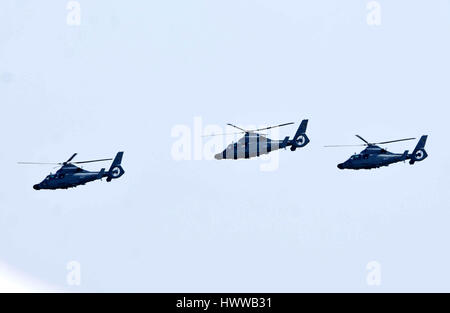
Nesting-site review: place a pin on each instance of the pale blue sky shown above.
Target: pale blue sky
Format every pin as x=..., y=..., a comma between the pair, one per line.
x=135, y=69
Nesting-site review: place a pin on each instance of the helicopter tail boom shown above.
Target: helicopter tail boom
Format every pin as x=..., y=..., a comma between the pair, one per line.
x=284, y=143
x=116, y=170
x=419, y=153
x=405, y=155
x=101, y=174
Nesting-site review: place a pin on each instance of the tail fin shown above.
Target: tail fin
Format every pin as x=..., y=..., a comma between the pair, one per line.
x=302, y=128
x=300, y=139
x=419, y=153
x=116, y=170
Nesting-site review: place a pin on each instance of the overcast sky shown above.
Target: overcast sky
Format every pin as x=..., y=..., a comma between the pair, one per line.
x=132, y=72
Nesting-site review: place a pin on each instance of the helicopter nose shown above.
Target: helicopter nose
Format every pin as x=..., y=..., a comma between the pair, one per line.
x=340, y=166
x=36, y=187
x=218, y=156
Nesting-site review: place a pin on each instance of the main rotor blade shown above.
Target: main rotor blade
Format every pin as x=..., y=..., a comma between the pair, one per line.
x=223, y=134
x=237, y=127
x=247, y=131
x=37, y=163
x=391, y=141
x=91, y=161
x=362, y=139
x=65, y=163
x=270, y=127
x=338, y=146
x=249, y=134
x=71, y=158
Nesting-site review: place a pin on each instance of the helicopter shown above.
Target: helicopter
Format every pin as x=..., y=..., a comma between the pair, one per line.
x=374, y=156
x=71, y=176
x=253, y=144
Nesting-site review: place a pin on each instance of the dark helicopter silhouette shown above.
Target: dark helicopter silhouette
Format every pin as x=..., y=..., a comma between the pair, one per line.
x=255, y=145
x=374, y=156
x=70, y=175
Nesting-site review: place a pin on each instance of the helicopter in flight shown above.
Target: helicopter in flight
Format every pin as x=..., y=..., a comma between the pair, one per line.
x=374, y=156
x=70, y=175
x=253, y=144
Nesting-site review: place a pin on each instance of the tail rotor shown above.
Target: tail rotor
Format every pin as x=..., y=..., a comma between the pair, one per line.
x=116, y=170
x=300, y=139
x=419, y=153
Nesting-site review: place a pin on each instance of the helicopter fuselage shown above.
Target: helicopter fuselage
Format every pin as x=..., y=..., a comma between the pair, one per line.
x=69, y=177
x=370, y=160
x=250, y=147
x=254, y=144
x=374, y=156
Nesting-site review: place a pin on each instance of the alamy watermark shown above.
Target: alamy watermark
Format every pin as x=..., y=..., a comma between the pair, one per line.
x=373, y=277
x=74, y=13
x=373, y=17
x=73, y=277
